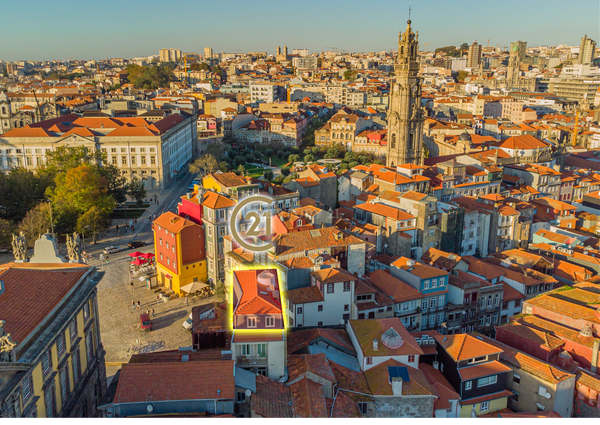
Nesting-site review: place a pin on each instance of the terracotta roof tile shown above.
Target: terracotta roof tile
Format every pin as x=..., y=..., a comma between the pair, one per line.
x=299, y=340
x=368, y=330
x=32, y=291
x=308, y=400
x=481, y=370
x=378, y=379
x=272, y=399
x=256, y=298
x=305, y=295
x=464, y=347
x=172, y=222
x=317, y=364
x=307, y=240
x=400, y=291
x=145, y=382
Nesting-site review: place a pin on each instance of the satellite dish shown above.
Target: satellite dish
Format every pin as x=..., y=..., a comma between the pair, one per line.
x=150, y=408
x=248, y=393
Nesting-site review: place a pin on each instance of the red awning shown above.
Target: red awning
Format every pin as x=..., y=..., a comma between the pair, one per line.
x=168, y=276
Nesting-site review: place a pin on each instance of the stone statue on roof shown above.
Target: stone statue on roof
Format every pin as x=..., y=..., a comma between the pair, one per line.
x=19, y=246
x=6, y=344
x=74, y=247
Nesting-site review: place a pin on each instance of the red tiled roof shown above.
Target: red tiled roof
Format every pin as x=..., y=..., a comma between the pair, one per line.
x=378, y=380
x=395, y=288
x=368, y=330
x=308, y=400
x=32, y=291
x=147, y=382
x=463, y=347
x=441, y=386
x=481, y=370
x=317, y=364
x=256, y=299
x=272, y=399
x=300, y=339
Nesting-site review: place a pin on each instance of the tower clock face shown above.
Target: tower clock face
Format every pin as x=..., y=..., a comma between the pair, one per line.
x=414, y=89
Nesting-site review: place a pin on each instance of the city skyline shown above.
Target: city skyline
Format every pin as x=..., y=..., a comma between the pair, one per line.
x=128, y=31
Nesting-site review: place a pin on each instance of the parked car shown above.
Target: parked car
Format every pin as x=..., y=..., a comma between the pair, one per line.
x=187, y=325
x=190, y=188
x=112, y=249
x=136, y=244
x=145, y=322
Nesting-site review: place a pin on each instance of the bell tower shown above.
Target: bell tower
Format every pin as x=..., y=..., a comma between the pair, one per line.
x=405, y=116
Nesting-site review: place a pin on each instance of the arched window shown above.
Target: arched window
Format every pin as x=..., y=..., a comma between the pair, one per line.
x=393, y=141
x=4, y=110
x=347, y=136
x=402, y=50
x=334, y=136
x=410, y=140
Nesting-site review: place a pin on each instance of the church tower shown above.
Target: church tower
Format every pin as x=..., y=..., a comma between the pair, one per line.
x=405, y=116
x=512, y=71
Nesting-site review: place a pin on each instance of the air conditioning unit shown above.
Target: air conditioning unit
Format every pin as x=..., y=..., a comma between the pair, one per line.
x=432, y=341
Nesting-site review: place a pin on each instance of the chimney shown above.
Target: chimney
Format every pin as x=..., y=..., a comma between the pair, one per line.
x=397, y=386
x=595, y=355
x=376, y=344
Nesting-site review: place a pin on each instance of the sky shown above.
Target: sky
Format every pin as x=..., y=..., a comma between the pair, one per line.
x=65, y=29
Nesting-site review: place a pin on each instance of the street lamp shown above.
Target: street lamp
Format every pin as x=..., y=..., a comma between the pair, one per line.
x=51, y=220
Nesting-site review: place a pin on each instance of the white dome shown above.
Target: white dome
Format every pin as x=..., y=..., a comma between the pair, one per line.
x=392, y=339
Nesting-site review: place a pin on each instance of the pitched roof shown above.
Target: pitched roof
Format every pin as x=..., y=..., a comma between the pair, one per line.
x=443, y=389
x=528, y=363
x=400, y=291
x=216, y=201
x=229, y=179
x=485, y=369
x=146, y=382
x=333, y=275
x=172, y=222
x=368, y=330
x=32, y=291
x=289, y=243
x=308, y=400
x=353, y=380
x=442, y=259
x=256, y=298
x=317, y=364
x=386, y=211
x=310, y=294
x=464, y=347
x=272, y=399
x=378, y=379
x=418, y=269
x=300, y=339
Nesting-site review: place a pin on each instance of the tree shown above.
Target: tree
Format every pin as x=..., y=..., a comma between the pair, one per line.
x=76, y=191
x=217, y=70
x=20, y=191
x=294, y=158
x=203, y=66
x=461, y=76
x=37, y=221
x=464, y=46
x=348, y=74
x=285, y=171
x=6, y=230
x=224, y=166
x=4, y=72
x=150, y=77
x=220, y=290
x=204, y=165
x=137, y=191
x=216, y=150
x=241, y=170
x=268, y=174
x=309, y=158
x=92, y=222
x=279, y=179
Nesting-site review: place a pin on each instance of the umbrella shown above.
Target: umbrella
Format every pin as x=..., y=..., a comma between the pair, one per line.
x=138, y=262
x=193, y=287
x=147, y=255
x=136, y=254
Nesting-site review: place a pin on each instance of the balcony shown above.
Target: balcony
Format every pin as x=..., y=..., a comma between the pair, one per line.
x=252, y=360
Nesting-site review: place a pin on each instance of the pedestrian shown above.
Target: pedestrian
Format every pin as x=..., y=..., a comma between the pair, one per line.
x=156, y=202
x=186, y=300
x=117, y=228
x=135, y=221
x=133, y=228
x=132, y=288
x=152, y=312
x=138, y=305
x=148, y=312
x=133, y=304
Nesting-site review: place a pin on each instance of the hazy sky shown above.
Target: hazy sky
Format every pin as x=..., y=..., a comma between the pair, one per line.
x=63, y=29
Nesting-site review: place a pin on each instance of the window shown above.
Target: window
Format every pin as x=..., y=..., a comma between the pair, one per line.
x=299, y=310
x=485, y=406
x=441, y=300
x=369, y=360
x=26, y=388
x=123, y=160
x=46, y=362
x=434, y=283
x=488, y=380
x=540, y=407
x=346, y=286
x=241, y=397
x=440, y=317
x=49, y=402
x=411, y=358
x=270, y=322
x=60, y=343
x=86, y=310
x=261, y=350
x=75, y=364
x=73, y=329
x=426, y=284
x=516, y=378
x=330, y=288
x=361, y=316
x=424, y=304
x=346, y=317
x=468, y=385
x=251, y=321
x=346, y=307
x=515, y=397
x=363, y=408
x=319, y=323
x=245, y=349
x=433, y=302
x=89, y=345
x=64, y=384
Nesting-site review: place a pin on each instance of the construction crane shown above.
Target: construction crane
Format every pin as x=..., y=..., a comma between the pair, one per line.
x=488, y=40
x=425, y=46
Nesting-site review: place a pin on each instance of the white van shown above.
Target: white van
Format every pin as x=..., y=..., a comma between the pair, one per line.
x=187, y=325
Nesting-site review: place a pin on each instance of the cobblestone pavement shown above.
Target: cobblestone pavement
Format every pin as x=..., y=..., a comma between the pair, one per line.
x=120, y=324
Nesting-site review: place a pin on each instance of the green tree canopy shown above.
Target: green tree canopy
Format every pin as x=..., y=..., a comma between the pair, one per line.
x=204, y=165
x=150, y=77
x=36, y=222
x=20, y=191
x=92, y=222
x=137, y=191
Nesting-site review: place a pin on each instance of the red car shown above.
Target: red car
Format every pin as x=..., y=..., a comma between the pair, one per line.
x=145, y=322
